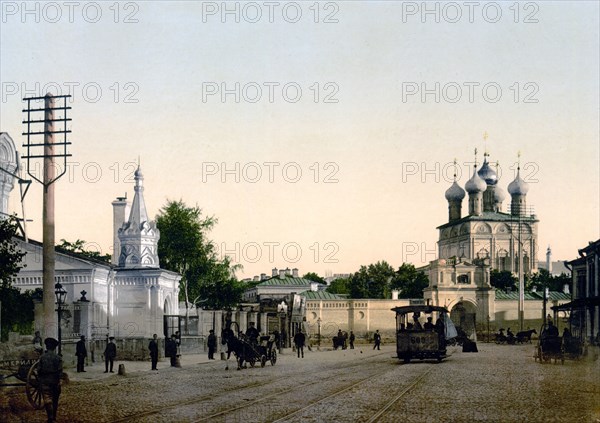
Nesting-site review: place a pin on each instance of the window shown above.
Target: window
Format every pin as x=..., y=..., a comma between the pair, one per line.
x=463, y=279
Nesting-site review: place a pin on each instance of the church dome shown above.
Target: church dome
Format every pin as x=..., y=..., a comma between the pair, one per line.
x=518, y=186
x=499, y=195
x=455, y=193
x=138, y=173
x=475, y=184
x=488, y=174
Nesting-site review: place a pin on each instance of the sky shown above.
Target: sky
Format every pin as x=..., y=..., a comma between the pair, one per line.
x=320, y=134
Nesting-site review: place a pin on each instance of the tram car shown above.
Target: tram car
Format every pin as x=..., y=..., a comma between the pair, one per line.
x=422, y=331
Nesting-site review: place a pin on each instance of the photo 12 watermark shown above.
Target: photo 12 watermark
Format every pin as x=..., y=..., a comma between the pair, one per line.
x=275, y=252
x=251, y=12
x=438, y=172
x=469, y=92
x=89, y=92
x=269, y=172
x=269, y=92
x=58, y=12
x=453, y=12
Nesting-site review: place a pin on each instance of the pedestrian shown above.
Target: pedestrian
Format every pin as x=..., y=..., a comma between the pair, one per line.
x=81, y=353
x=429, y=324
x=377, y=339
x=49, y=374
x=299, y=340
x=212, y=344
x=252, y=334
x=110, y=352
x=153, y=347
x=37, y=340
x=352, y=338
x=171, y=349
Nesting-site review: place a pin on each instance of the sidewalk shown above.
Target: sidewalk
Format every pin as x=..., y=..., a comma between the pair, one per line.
x=95, y=371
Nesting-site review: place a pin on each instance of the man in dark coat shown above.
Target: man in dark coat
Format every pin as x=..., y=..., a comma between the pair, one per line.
x=352, y=338
x=299, y=340
x=110, y=352
x=49, y=374
x=171, y=349
x=377, y=339
x=212, y=344
x=252, y=333
x=81, y=353
x=153, y=347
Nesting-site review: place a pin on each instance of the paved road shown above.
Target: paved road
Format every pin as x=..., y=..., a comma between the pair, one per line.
x=501, y=383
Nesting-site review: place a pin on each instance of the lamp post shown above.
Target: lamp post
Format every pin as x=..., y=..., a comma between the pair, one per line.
x=61, y=295
x=282, y=309
x=319, y=333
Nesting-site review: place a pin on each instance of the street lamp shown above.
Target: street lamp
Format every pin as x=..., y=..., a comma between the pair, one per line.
x=282, y=309
x=61, y=295
x=319, y=332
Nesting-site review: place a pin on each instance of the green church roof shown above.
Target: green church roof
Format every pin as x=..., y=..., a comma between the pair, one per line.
x=321, y=295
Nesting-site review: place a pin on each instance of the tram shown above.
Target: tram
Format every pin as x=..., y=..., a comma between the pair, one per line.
x=421, y=332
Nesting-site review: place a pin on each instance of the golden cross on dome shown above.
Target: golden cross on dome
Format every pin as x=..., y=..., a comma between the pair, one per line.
x=455, y=169
x=485, y=136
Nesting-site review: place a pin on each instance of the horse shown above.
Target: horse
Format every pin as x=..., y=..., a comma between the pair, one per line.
x=525, y=336
x=235, y=346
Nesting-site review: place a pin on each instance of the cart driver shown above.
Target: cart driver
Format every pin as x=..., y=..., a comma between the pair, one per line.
x=252, y=334
x=50, y=372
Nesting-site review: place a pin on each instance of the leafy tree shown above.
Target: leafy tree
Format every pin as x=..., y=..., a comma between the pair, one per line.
x=543, y=279
x=339, y=286
x=409, y=281
x=503, y=279
x=371, y=281
x=312, y=276
x=78, y=247
x=17, y=307
x=185, y=248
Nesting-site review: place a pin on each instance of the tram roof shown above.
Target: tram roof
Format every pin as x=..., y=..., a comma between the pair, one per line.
x=419, y=308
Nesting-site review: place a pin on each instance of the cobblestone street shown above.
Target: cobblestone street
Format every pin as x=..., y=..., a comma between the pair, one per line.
x=501, y=383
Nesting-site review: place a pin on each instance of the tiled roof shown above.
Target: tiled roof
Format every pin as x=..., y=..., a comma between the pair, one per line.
x=287, y=281
x=321, y=295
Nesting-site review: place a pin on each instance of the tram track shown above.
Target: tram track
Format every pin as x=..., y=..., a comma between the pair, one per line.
x=254, y=387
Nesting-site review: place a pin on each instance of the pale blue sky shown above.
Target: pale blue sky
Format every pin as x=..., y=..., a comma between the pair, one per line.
x=370, y=134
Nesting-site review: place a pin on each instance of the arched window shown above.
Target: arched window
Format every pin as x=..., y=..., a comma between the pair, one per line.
x=463, y=279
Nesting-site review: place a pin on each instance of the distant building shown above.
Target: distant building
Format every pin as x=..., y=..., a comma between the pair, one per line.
x=555, y=268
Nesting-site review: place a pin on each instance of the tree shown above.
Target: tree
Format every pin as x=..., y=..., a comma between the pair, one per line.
x=185, y=248
x=503, y=279
x=79, y=247
x=17, y=307
x=409, y=281
x=371, y=281
x=543, y=279
x=312, y=276
x=10, y=255
x=339, y=286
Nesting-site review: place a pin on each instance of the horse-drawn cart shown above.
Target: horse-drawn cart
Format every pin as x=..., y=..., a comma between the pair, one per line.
x=25, y=370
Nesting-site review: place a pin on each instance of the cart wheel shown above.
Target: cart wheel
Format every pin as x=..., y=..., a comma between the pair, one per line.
x=273, y=357
x=33, y=388
x=263, y=360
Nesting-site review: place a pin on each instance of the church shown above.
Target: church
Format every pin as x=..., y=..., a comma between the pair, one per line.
x=485, y=238
x=127, y=298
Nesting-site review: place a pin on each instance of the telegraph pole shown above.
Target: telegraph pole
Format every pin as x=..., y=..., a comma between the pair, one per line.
x=48, y=154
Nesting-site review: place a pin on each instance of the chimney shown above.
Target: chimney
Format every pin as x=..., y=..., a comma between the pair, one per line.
x=281, y=273
x=120, y=212
x=314, y=286
x=295, y=272
x=263, y=276
x=534, y=288
x=274, y=272
x=288, y=272
x=395, y=294
x=255, y=279
x=566, y=289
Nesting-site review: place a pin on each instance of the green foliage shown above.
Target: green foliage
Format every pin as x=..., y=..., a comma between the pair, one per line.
x=312, y=276
x=185, y=248
x=543, y=279
x=339, y=286
x=409, y=281
x=10, y=255
x=503, y=279
x=372, y=281
x=17, y=307
x=78, y=247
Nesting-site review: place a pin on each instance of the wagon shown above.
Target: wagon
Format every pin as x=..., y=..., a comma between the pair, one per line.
x=413, y=340
x=25, y=371
x=550, y=348
x=267, y=349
